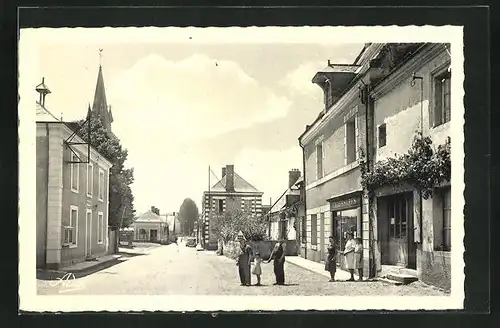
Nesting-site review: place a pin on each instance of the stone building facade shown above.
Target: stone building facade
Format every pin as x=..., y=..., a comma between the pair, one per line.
x=373, y=109
x=331, y=145
x=72, y=196
x=413, y=232
x=284, y=212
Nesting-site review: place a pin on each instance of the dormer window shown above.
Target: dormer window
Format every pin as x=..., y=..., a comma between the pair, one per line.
x=333, y=80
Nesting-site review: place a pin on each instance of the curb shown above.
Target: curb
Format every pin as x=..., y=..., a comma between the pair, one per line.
x=95, y=268
x=322, y=273
x=308, y=269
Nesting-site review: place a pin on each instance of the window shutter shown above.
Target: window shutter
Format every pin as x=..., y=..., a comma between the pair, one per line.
x=322, y=159
x=356, y=141
x=345, y=144
x=416, y=218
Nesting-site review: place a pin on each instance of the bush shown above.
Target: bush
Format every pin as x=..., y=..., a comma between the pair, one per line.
x=422, y=167
x=228, y=226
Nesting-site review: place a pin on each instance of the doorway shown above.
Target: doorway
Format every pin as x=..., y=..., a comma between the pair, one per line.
x=342, y=225
x=88, y=233
x=153, y=235
x=396, y=230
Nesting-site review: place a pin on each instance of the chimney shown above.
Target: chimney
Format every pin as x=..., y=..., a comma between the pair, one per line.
x=230, y=178
x=329, y=63
x=223, y=172
x=152, y=209
x=293, y=176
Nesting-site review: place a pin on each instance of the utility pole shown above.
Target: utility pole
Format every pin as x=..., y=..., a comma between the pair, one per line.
x=119, y=230
x=209, y=207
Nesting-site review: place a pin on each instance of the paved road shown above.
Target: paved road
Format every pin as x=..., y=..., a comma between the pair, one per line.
x=167, y=271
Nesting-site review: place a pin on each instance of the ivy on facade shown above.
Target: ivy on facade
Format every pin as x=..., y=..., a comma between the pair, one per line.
x=422, y=167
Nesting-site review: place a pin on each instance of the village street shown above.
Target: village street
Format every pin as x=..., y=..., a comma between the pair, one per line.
x=167, y=271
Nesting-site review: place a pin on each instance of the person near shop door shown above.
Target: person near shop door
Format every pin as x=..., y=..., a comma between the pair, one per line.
x=331, y=259
x=358, y=257
x=349, y=255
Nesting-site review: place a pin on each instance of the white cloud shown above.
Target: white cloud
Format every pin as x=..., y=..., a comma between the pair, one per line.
x=299, y=80
x=268, y=170
x=197, y=97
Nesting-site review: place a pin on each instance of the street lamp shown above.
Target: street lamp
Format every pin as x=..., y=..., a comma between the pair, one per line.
x=412, y=83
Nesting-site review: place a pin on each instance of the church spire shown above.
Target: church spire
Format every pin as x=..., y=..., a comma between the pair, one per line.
x=100, y=105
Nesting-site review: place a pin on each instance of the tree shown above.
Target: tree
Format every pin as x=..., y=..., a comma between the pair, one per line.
x=188, y=216
x=121, y=199
x=228, y=226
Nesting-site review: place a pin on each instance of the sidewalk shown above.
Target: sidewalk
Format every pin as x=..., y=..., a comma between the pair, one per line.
x=89, y=265
x=318, y=268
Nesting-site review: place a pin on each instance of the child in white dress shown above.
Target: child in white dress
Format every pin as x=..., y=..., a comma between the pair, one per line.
x=257, y=270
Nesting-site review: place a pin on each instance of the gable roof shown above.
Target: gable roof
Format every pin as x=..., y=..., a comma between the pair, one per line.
x=148, y=217
x=44, y=115
x=240, y=185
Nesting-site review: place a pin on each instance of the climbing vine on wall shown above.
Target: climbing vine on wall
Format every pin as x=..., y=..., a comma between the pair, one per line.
x=423, y=167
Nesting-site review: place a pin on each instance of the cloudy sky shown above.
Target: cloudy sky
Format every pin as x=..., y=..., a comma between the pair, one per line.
x=180, y=107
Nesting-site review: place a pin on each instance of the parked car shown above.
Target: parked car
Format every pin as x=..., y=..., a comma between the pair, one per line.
x=191, y=241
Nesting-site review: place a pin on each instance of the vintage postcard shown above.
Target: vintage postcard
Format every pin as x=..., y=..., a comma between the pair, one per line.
x=233, y=169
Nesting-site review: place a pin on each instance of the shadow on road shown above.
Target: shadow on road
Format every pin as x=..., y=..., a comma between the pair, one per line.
x=61, y=274
x=127, y=254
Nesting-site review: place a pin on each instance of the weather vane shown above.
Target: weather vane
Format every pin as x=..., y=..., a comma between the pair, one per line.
x=100, y=56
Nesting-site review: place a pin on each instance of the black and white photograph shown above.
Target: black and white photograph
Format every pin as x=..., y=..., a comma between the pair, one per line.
x=231, y=169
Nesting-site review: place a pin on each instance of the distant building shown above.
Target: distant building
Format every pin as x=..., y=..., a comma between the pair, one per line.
x=72, y=188
x=284, y=211
x=150, y=227
x=154, y=227
x=232, y=192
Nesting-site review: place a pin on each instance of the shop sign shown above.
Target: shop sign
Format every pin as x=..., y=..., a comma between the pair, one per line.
x=344, y=203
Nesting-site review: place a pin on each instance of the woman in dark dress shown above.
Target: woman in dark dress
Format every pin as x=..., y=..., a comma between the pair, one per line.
x=244, y=262
x=278, y=255
x=331, y=259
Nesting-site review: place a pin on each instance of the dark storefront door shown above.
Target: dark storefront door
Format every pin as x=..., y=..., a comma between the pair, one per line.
x=153, y=235
x=342, y=225
x=400, y=246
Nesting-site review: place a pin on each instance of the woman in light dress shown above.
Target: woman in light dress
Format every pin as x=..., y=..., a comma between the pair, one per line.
x=358, y=257
x=350, y=260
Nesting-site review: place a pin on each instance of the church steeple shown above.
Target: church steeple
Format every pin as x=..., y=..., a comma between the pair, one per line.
x=100, y=105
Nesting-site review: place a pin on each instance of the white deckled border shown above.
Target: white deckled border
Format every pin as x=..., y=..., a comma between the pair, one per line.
x=28, y=50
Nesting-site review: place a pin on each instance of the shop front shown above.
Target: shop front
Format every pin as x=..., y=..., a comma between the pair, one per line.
x=346, y=217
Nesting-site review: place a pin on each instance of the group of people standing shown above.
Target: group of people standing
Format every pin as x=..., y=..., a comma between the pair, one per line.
x=353, y=252
x=246, y=257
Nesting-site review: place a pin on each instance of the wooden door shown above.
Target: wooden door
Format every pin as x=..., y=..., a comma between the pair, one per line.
x=401, y=248
x=153, y=235
x=88, y=233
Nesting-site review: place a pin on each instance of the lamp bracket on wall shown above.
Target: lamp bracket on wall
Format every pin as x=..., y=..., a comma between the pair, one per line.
x=70, y=143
